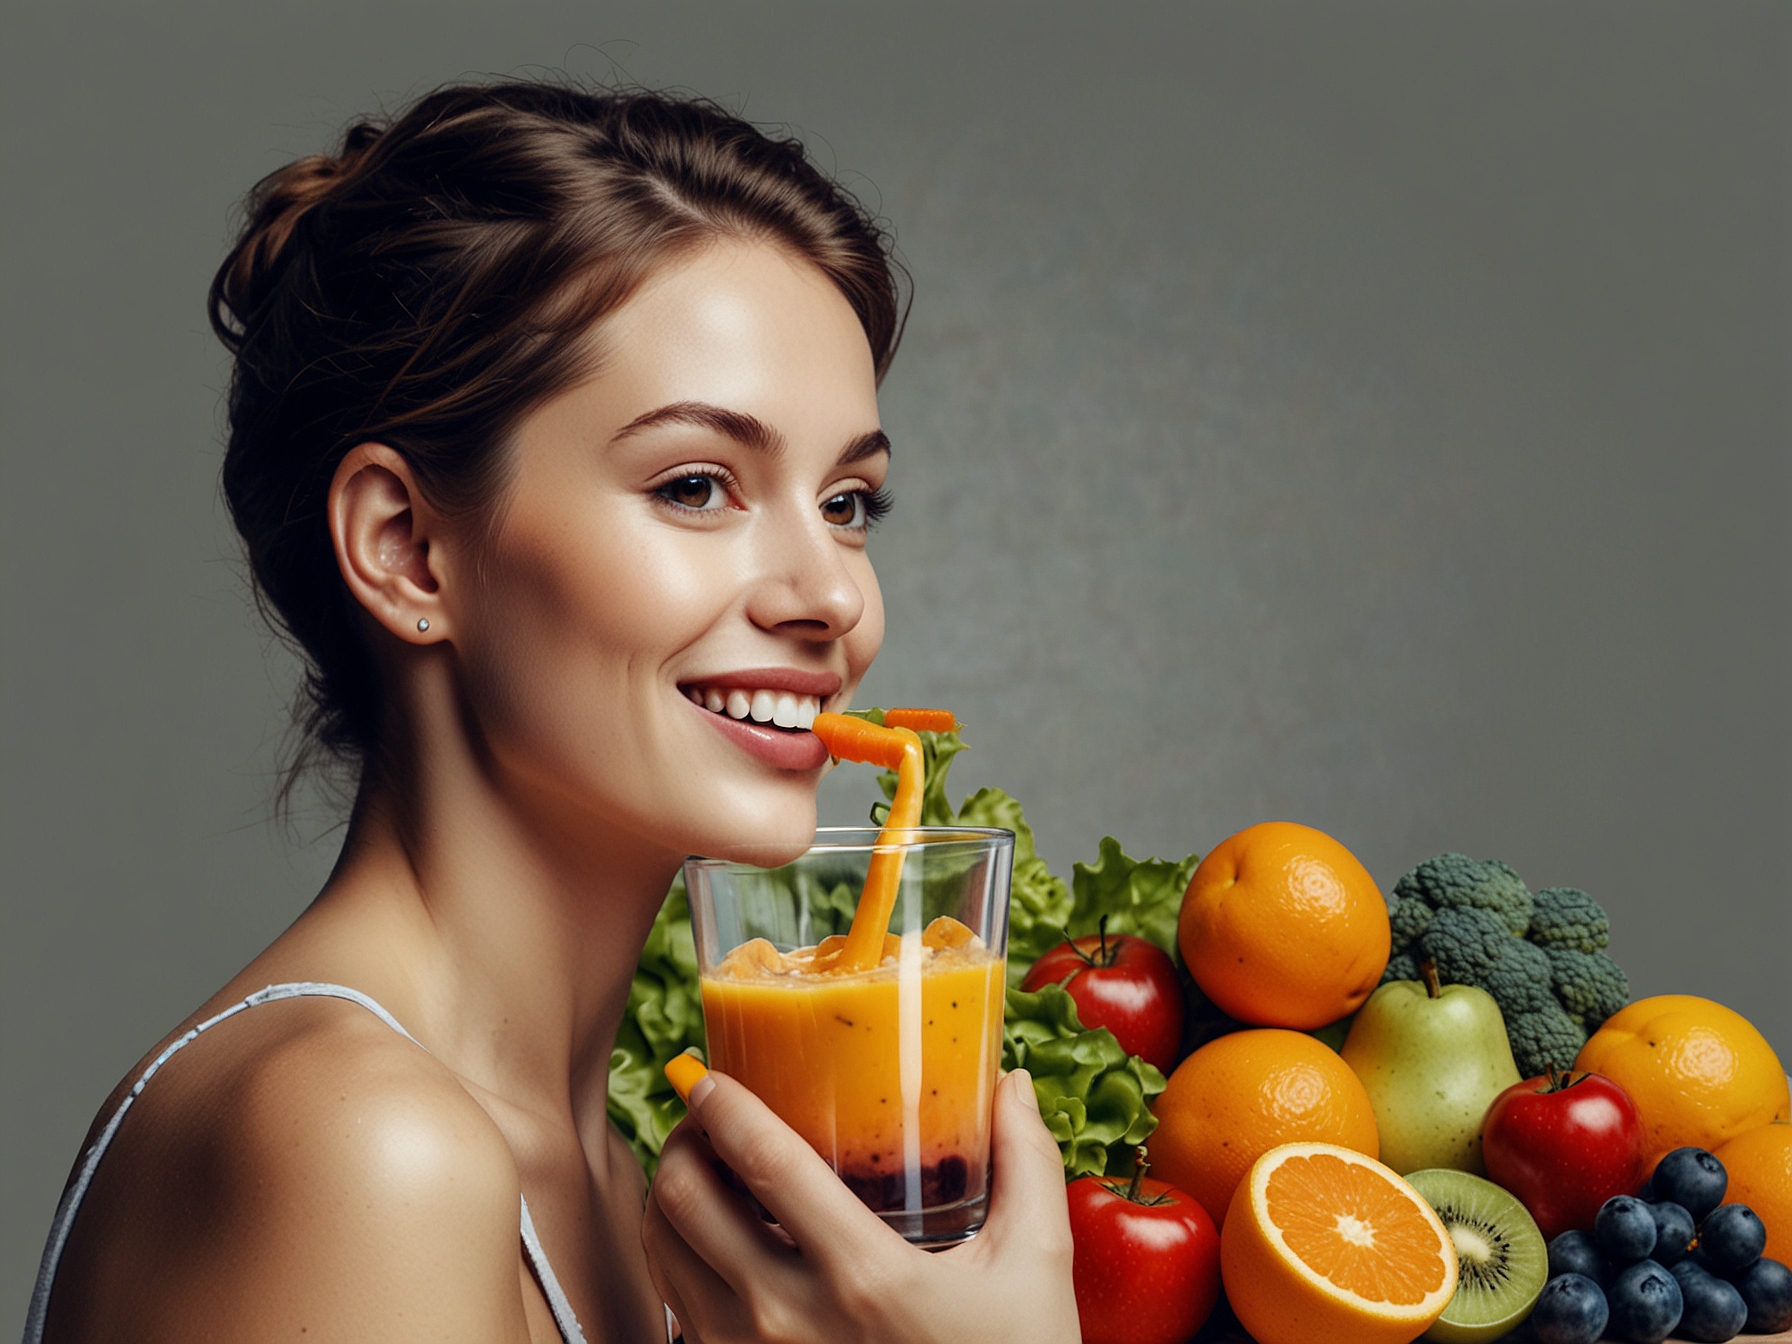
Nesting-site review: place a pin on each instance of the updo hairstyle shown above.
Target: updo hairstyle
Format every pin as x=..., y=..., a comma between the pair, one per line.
x=436, y=279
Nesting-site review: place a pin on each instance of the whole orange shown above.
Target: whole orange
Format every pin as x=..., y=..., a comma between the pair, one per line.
x=1241, y=1095
x=1760, y=1167
x=1699, y=1073
x=1282, y=927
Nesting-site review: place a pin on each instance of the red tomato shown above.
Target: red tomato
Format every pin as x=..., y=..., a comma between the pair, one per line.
x=1564, y=1144
x=1147, y=1261
x=1125, y=984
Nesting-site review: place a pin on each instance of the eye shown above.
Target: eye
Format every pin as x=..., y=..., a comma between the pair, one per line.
x=700, y=492
x=856, y=510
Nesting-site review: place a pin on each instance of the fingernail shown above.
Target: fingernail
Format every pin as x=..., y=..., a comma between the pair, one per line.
x=1024, y=1082
x=683, y=1072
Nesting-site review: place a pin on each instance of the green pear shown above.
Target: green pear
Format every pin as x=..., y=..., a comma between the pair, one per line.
x=1432, y=1060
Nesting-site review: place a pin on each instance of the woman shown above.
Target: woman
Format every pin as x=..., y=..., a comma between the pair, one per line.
x=553, y=424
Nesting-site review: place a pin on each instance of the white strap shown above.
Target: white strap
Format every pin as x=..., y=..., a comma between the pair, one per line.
x=550, y=1286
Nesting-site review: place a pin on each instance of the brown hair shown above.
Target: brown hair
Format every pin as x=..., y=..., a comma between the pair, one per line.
x=437, y=278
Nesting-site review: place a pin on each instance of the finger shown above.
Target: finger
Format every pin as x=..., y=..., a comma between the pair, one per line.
x=1027, y=1199
x=711, y=1220
x=704, y=1303
x=676, y=1312
x=786, y=1174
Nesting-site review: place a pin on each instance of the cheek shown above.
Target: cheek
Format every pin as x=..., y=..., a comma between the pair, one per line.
x=566, y=636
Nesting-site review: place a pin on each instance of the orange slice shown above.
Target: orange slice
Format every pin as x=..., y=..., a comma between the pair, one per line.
x=1324, y=1243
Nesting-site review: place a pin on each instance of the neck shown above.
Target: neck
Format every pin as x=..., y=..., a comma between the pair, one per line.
x=498, y=926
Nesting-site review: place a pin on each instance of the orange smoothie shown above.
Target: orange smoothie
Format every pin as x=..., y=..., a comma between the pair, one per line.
x=889, y=1072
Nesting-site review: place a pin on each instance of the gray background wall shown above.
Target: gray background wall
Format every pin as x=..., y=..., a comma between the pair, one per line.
x=1374, y=415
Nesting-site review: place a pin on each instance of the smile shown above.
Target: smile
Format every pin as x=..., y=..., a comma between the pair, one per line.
x=779, y=709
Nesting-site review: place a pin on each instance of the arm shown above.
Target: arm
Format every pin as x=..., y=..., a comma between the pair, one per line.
x=838, y=1273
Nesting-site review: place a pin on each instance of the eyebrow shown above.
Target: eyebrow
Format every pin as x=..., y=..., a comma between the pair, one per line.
x=747, y=430
x=866, y=445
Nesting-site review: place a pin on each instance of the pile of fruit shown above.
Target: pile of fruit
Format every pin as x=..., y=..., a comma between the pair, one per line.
x=1284, y=1098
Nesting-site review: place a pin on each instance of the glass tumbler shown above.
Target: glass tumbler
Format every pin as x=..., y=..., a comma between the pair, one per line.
x=889, y=1072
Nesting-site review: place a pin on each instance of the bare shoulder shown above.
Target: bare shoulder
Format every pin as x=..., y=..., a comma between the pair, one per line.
x=301, y=1169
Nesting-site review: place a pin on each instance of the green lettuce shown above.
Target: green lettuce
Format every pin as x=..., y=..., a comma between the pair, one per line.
x=1142, y=897
x=1094, y=1097
x=664, y=1018
x=1039, y=903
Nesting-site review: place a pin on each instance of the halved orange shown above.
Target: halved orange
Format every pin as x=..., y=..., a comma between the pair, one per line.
x=1325, y=1243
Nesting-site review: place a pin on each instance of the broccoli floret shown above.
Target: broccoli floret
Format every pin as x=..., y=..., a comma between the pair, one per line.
x=1520, y=980
x=1455, y=881
x=1406, y=921
x=1568, y=917
x=1542, y=1037
x=1590, y=985
x=1466, y=944
x=1401, y=966
x=1539, y=957
x=1472, y=947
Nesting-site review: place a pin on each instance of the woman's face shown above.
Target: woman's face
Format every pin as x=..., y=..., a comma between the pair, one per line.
x=682, y=555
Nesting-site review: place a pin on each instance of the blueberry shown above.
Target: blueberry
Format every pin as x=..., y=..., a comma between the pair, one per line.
x=1732, y=1238
x=1647, y=1192
x=1645, y=1304
x=1575, y=1252
x=1673, y=1232
x=1624, y=1229
x=1570, y=1310
x=1693, y=1179
x=1713, y=1310
x=1766, y=1288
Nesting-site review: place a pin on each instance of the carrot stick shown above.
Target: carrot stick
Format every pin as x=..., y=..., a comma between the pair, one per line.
x=683, y=1072
x=897, y=749
x=922, y=720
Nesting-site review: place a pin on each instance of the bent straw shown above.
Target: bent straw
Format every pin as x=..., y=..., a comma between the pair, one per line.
x=684, y=1072
x=898, y=749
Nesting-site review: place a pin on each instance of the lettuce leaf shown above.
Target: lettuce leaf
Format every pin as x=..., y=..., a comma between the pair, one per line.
x=1039, y=903
x=1093, y=1096
x=664, y=1018
x=1142, y=897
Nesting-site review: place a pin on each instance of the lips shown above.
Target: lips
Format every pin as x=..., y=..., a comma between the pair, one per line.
x=781, y=747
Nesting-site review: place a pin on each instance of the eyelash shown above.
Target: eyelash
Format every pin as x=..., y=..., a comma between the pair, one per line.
x=877, y=502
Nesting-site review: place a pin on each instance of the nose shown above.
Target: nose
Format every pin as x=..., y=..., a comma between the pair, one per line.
x=805, y=584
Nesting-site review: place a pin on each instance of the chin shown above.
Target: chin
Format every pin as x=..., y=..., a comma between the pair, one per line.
x=769, y=834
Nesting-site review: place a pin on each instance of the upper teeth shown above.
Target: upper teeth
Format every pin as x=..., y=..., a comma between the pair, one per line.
x=774, y=707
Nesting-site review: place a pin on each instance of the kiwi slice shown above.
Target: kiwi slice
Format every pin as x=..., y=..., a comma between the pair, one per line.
x=1502, y=1261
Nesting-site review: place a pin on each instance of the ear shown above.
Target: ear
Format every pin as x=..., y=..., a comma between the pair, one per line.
x=380, y=525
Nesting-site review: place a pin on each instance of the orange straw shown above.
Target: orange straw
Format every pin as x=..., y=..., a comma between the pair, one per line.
x=684, y=1072
x=898, y=749
x=922, y=720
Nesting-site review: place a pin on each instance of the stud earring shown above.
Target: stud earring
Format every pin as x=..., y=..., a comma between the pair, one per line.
x=422, y=624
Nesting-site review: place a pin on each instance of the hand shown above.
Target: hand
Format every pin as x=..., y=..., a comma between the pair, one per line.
x=832, y=1271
